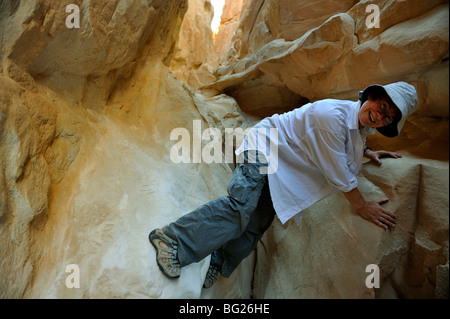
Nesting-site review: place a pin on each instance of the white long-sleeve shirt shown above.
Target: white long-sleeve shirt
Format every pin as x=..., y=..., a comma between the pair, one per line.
x=319, y=151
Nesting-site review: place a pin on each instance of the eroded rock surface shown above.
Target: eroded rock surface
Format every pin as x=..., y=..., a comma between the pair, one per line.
x=330, y=52
x=86, y=117
x=196, y=59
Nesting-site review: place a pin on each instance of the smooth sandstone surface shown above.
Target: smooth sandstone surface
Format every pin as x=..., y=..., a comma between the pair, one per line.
x=86, y=117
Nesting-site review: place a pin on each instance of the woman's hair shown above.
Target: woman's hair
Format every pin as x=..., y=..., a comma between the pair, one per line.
x=376, y=93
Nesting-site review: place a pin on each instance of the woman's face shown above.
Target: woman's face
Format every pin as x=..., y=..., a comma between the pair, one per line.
x=377, y=113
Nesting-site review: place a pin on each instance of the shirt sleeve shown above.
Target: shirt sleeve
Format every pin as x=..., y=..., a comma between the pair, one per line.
x=327, y=151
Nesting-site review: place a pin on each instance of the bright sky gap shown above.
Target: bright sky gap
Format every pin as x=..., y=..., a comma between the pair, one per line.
x=218, y=6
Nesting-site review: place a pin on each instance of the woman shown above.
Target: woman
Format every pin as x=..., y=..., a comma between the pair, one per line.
x=319, y=151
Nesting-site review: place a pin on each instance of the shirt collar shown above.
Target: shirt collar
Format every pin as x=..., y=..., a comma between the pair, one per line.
x=352, y=119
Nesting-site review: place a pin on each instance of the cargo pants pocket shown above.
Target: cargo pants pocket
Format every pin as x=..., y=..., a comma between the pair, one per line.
x=246, y=178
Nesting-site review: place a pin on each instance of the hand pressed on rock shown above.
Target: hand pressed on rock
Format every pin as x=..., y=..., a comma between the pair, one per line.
x=377, y=155
x=372, y=211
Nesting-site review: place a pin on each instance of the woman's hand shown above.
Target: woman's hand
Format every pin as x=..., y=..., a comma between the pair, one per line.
x=377, y=155
x=373, y=212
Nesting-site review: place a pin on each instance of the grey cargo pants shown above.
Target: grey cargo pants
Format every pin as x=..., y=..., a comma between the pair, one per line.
x=228, y=227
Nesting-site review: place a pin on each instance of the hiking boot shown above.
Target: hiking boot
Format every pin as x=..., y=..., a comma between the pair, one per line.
x=211, y=276
x=166, y=253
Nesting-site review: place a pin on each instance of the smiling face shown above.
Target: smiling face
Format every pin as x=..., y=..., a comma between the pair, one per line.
x=377, y=112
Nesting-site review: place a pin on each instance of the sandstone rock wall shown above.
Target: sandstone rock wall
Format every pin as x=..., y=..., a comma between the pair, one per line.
x=196, y=58
x=86, y=117
x=83, y=64
x=248, y=25
x=288, y=52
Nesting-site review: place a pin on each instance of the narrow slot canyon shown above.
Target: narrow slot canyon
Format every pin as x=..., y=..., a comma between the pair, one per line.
x=116, y=118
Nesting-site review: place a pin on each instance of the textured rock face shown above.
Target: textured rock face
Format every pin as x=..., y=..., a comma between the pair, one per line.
x=86, y=117
x=330, y=52
x=27, y=128
x=247, y=25
x=196, y=58
x=84, y=63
